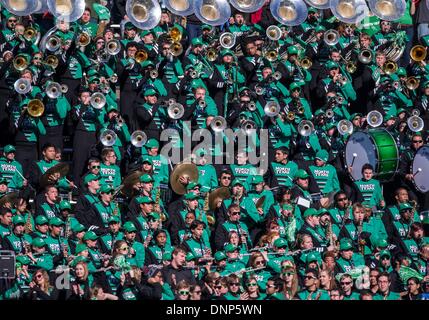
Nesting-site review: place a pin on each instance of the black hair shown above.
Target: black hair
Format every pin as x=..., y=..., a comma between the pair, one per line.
x=367, y=166
x=48, y=145
x=196, y=223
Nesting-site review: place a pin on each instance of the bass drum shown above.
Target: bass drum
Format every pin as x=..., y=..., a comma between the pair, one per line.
x=420, y=169
x=376, y=147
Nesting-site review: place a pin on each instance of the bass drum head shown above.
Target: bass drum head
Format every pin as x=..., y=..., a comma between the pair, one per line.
x=360, y=147
x=421, y=161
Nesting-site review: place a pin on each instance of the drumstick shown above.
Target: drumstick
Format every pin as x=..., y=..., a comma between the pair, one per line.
x=69, y=182
x=354, y=157
x=418, y=170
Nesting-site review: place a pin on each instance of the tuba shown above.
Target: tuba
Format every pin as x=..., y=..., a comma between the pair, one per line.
x=108, y=138
x=144, y=14
x=374, y=118
x=180, y=8
x=248, y=6
x=415, y=123
x=319, y=4
x=138, y=138
x=218, y=124
x=98, y=100
x=35, y=108
x=348, y=11
x=212, y=12
x=289, y=12
x=387, y=9
x=175, y=111
x=20, y=7
x=67, y=10
x=22, y=86
x=305, y=128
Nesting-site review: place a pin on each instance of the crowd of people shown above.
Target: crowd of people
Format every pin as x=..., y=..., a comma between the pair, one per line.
x=86, y=194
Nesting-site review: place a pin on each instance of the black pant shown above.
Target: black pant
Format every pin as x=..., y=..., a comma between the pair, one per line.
x=82, y=144
x=26, y=153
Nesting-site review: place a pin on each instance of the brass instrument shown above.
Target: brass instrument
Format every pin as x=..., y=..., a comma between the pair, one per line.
x=30, y=33
x=415, y=123
x=290, y=116
x=305, y=63
x=98, y=100
x=180, y=8
x=141, y=56
x=290, y=13
x=53, y=43
x=138, y=138
x=390, y=67
x=211, y=54
x=176, y=49
x=331, y=37
x=272, y=109
x=345, y=127
x=183, y=169
x=83, y=39
x=144, y=14
x=365, y=56
x=274, y=33
x=35, y=108
x=113, y=47
x=20, y=63
x=387, y=9
x=218, y=124
x=271, y=55
x=227, y=40
x=108, y=138
x=157, y=207
x=418, y=53
x=374, y=118
x=153, y=74
x=51, y=61
x=175, y=111
x=212, y=12
x=67, y=230
x=351, y=67
x=248, y=126
x=412, y=83
x=174, y=34
x=305, y=128
x=22, y=86
x=53, y=90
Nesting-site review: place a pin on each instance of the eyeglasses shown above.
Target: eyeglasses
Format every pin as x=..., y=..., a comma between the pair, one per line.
x=226, y=178
x=184, y=293
x=95, y=167
x=345, y=283
x=12, y=20
x=417, y=141
x=218, y=287
x=258, y=263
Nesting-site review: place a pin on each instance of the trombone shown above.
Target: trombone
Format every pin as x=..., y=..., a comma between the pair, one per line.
x=30, y=33
x=20, y=63
x=418, y=53
x=390, y=67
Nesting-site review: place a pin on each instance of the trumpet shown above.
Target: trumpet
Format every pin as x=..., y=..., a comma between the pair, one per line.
x=202, y=103
x=290, y=116
x=218, y=124
x=345, y=127
x=251, y=106
x=113, y=47
x=64, y=88
x=248, y=126
x=415, y=123
x=113, y=78
x=271, y=55
x=415, y=112
x=20, y=63
x=374, y=118
x=259, y=90
x=329, y=113
x=83, y=39
x=30, y=33
x=351, y=67
x=53, y=90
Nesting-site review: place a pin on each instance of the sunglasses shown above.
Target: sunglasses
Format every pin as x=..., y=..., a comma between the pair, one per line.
x=124, y=248
x=417, y=141
x=254, y=284
x=234, y=284
x=345, y=283
x=342, y=199
x=95, y=167
x=12, y=21
x=218, y=287
x=258, y=263
x=309, y=277
x=226, y=178
x=235, y=213
x=184, y=293
x=288, y=274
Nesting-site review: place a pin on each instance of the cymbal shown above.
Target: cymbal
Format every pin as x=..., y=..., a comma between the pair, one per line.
x=260, y=202
x=221, y=193
x=183, y=169
x=129, y=182
x=10, y=197
x=61, y=168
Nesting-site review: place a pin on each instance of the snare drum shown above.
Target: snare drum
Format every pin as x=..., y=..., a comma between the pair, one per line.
x=420, y=169
x=376, y=147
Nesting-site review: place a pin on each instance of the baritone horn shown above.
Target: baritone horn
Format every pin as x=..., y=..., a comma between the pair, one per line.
x=218, y=124
x=415, y=123
x=30, y=33
x=305, y=63
x=108, y=138
x=35, y=108
x=345, y=127
x=212, y=12
x=227, y=40
x=418, y=53
x=83, y=39
x=113, y=47
x=51, y=61
x=138, y=138
x=289, y=12
x=143, y=14
x=20, y=63
x=305, y=128
x=374, y=118
x=211, y=54
x=272, y=109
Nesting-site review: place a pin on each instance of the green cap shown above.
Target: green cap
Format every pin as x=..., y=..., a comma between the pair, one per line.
x=3, y=180
x=152, y=143
x=346, y=244
x=80, y=247
x=112, y=107
x=280, y=243
x=320, y=28
x=226, y=52
x=323, y=211
x=78, y=227
x=9, y=148
x=128, y=26
x=401, y=72
x=312, y=10
x=219, y=256
x=191, y=196
x=331, y=65
x=90, y=235
x=206, y=27
x=191, y=185
x=146, y=178
x=197, y=42
x=90, y=177
x=235, y=182
x=38, y=242
x=230, y=248
x=190, y=256
x=310, y=212
x=64, y=205
x=292, y=50
x=55, y=221
x=148, y=160
x=145, y=199
x=381, y=243
x=102, y=12
x=257, y=179
x=106, y=188
x=23, y=260
x=154, y=216
x=41, y=220
x=114, y=219
x=312, y=257
x=294, y=86
x=405, y=206
x=385, y=253
x=150, y=92
x=129, y=226
x=322, y=155
x=302, y=174
x=18, y=219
